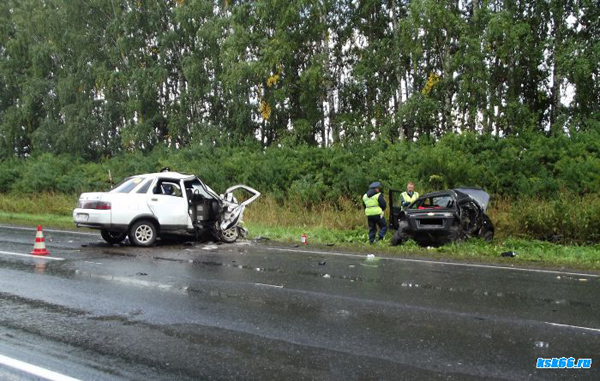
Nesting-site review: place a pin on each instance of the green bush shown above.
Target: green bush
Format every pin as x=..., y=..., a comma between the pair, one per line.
x=552, y=181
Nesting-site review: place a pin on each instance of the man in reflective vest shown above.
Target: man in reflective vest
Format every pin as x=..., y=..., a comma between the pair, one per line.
x=374, y=207
x=409, y=196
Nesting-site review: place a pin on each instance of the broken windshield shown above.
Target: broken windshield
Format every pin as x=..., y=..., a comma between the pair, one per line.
x=433, y=202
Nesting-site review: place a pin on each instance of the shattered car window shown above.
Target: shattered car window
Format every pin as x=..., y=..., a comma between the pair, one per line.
x=169, y=188
x=435, y=202
x=196, y=186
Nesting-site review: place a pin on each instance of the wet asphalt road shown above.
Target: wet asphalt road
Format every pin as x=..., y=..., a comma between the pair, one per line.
x=255, y=311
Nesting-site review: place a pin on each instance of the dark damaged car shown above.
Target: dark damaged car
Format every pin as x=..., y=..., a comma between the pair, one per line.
x=442, y=217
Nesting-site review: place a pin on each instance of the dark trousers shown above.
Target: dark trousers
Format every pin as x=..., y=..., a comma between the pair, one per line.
x=374, y=221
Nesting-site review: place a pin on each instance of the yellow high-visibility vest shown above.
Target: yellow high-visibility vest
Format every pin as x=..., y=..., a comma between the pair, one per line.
x=372, y=207
x=407, y=198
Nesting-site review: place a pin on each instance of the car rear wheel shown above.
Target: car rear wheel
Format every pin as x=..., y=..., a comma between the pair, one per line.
x=230, y=235
x=143, y=233
x=456, y=234
x=398, y=238
x=112, y=237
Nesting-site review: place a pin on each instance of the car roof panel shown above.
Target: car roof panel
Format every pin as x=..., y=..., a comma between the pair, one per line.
x=172, y=175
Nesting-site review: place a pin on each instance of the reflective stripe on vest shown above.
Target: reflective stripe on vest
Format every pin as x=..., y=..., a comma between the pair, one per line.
x=372, y=207
x=407, y=198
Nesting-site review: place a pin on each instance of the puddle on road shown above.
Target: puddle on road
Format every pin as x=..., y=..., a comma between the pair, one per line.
x=39, y=304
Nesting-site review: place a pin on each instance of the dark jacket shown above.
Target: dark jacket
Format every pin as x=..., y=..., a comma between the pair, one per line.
x=381, y=200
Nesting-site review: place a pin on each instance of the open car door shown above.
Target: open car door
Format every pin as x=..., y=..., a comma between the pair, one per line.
x=395, y=207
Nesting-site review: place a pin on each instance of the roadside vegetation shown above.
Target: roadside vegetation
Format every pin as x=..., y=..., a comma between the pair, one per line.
x=543, y=188
x=309, y=102
x=343, y=227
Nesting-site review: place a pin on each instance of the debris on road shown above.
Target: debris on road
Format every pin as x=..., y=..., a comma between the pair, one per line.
x=326, y=276
x=322, y=263
x=141, y=274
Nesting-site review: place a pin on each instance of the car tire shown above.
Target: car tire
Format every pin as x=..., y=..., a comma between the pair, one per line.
x=398, y=238
x=112, y=237
x=488, y=235
x=230, y=235
x=143, y=233
x=456, y=234
x=487, y=231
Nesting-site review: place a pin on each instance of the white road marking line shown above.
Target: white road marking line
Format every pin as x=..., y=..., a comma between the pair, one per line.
x=35, y=370
x=269, y=285
x=32, y=256
x=47, y=230
x=574, y=326
x=436, y=262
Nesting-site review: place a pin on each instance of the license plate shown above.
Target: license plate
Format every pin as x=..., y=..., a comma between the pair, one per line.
x=82, y=217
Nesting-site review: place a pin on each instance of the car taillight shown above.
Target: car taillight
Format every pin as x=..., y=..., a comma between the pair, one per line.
x=102, y=205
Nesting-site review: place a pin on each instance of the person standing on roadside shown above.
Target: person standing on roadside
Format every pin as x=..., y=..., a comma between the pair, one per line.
x=410, y=196
x=374, y=207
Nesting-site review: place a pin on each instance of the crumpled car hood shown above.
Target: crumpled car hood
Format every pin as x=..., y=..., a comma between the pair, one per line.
x=479, y=195
x=232, y=210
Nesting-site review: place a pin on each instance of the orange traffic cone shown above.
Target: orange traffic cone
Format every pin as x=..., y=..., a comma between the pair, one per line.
x=39, y=247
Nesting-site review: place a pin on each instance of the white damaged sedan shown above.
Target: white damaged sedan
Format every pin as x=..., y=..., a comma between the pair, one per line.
x=145, y=206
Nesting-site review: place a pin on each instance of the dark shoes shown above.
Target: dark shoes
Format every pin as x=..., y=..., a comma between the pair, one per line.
x=375, y=241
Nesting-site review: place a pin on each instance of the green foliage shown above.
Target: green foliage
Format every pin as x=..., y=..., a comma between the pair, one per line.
x=10, y=172
x=527, y=165
x=550, y=182
x=107, y=77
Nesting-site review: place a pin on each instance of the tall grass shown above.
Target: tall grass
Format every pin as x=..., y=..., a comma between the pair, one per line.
x=42, y=203
x=565, y=219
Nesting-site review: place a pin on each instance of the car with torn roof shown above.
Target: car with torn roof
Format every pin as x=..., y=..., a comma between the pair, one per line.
x=145, y=207
x=441, y=217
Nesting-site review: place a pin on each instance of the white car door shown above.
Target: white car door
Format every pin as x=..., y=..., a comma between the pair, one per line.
x=169, y=204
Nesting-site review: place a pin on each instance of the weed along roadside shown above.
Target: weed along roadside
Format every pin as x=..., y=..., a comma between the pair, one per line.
x=340, y=229
x=529, y=253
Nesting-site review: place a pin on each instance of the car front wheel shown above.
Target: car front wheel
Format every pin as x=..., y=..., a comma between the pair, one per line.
x=230, y=235
x=143, y=233
x=112, y=237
